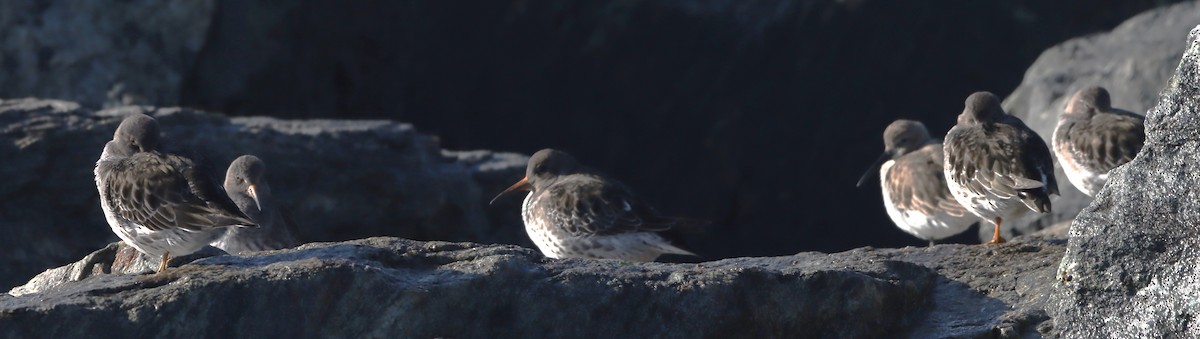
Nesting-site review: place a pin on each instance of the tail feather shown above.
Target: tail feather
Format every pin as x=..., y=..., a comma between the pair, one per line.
x=1037, y=200
x=668, y=248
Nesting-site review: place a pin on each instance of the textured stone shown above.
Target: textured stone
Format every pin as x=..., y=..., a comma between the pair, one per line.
x=337, y=180
x=389, y=287
x=116, y=258
x=1133, y=62
x=1132, y=269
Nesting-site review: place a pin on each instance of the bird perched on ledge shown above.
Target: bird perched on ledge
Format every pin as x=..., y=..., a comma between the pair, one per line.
x=246, y=184
x=995, y=165
x=573, y=212
x=1092, y=138
x=160, y=203
x=914, y=185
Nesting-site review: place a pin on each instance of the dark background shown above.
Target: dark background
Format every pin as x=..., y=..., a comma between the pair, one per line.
x=757, y=114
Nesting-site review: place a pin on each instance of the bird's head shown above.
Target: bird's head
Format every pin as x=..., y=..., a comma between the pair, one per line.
x=246, y=185
x=545, y=167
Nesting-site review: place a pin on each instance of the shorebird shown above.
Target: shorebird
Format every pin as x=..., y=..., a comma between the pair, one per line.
x=572, y=211
x=246, y=184
x=160, y=203
x=995, y=165
x=914, y=184
x=1092, y=138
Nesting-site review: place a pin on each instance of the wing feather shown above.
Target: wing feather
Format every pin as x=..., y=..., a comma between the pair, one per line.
x=1004, y=169
x=590, y=206
x=1109, y=140
x=159, y=192
x=917, y=182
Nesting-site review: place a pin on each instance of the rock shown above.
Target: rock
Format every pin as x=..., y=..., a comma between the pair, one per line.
x=390, y=287
x=101, y=53
x=116, y=258
x=1132, y=267
x=1133, y=62
x=337, y=179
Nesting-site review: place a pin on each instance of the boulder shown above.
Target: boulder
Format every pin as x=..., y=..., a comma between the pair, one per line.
x=337, y=180
x=101, y=52
x=1132, y=269
x=1133, y=61
x=391, y=287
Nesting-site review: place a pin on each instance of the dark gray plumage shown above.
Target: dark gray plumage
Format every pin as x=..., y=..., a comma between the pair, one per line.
x=246, y=184
x=573, y=212
x=160, y=203
x=913, y=182
x=995, y=165
x=1092, y=138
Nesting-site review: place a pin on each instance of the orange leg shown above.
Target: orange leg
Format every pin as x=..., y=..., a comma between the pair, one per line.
x=996, y=238
x=162, y=266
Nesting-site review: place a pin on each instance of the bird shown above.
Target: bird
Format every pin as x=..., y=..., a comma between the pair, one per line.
x=1092, y=138
x=160, y=203
x=246, y=184
x=572, y=211
x=915, y=194
x=996, y=166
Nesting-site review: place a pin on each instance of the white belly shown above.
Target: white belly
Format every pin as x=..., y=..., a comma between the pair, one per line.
x=1085, y=180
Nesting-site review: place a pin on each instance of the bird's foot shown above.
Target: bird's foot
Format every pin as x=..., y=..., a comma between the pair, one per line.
x=996, y=238
x=162, y=265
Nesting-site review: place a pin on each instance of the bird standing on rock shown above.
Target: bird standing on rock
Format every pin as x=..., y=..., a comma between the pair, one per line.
x=246, y=184
x=996, y=165
x=915, y=194
x=1092, y=138
x=160, y=203
x=573, y=212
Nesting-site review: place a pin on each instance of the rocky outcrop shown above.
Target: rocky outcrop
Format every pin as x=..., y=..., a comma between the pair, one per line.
x=337, y=180
x=389, y=287
x=1131, y=269
x=1133, y=62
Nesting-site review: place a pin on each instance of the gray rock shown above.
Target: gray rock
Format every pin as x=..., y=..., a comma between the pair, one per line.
x=1131, y=269
x=101, y=52
x=390, y=287
x=116, y=258
x=1133, y=62
x=337, y=179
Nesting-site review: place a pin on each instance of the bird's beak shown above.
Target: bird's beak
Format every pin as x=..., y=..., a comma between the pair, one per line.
x=253, y=192
x=522, y=185
x=882, y=157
